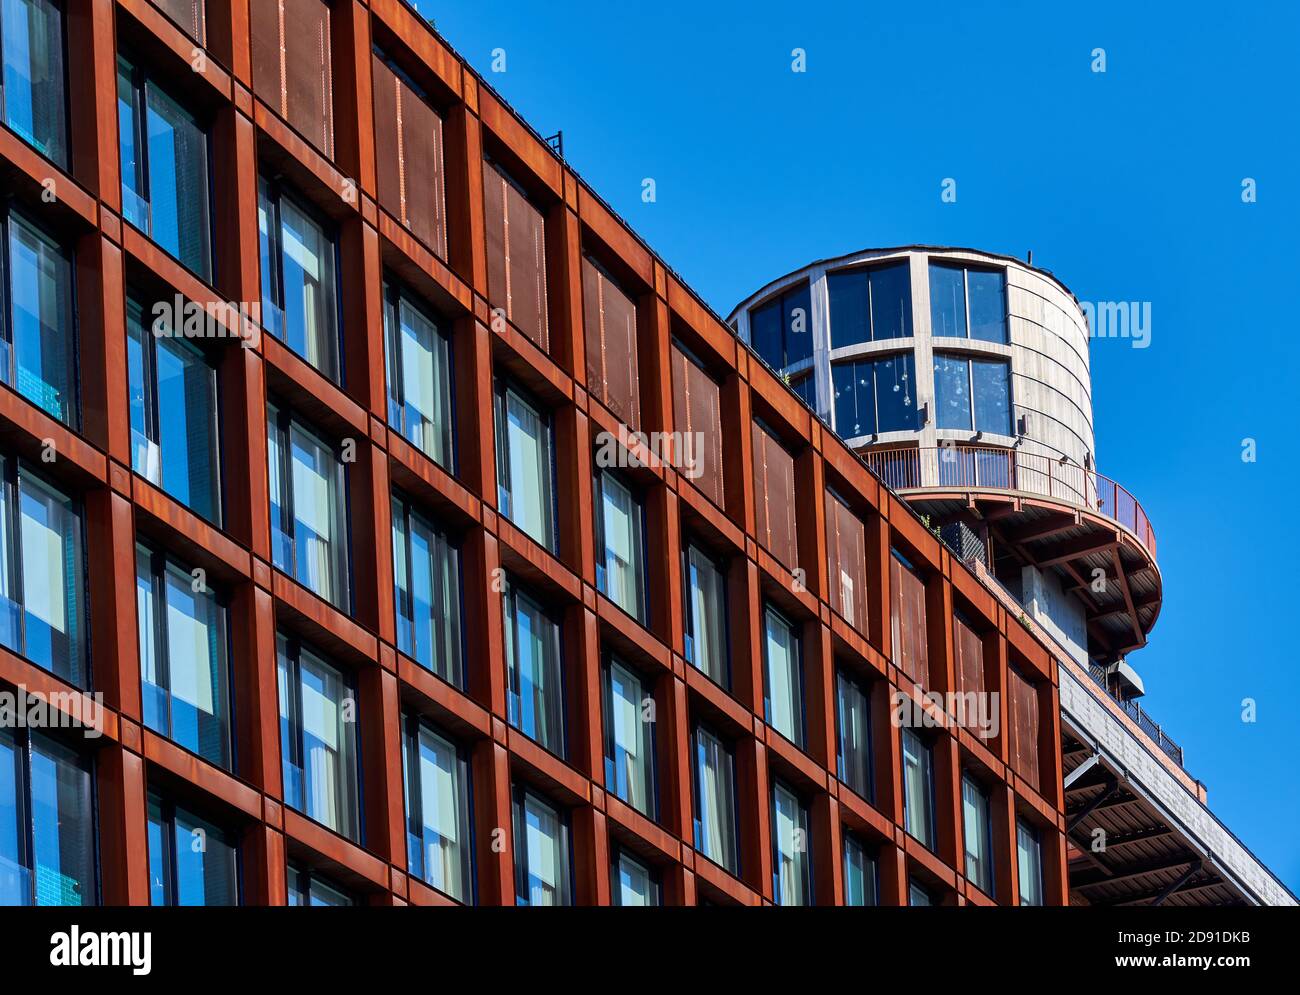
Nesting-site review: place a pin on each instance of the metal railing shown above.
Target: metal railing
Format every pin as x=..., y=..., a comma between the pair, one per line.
x=1135, y=712
x=908, y=468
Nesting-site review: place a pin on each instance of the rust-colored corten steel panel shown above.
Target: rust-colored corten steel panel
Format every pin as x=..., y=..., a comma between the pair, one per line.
x=187, y=13
x=465, y=239
x=516, y=248
x=609, y=318
x=907, y=622
x=410, y=172
x=293, y=65
x=846, y=552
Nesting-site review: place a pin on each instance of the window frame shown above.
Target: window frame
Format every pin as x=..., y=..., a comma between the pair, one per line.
x=167, y=810
x=871, y=857
x=520, y=796
x=927, y=774
x=804, y=866
x=63, y=161
x=640, y=542
x=782, y=301
x=457, y=676
x=868, y=272
x=396, y=294
x=1034, y=834
x=413, y=793
x=875, y=361
x=511, y=593
x=985, y=861
x=797, y=683
x=968, y=360
x=649, y=740
x=618, y=855
x=549, y=503
x=727, y=747
x=843, y=676
x=302, y=879
x=688, y=614
x=966, y=269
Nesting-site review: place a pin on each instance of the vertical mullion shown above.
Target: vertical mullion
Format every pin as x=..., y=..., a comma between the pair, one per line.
x=162, y=657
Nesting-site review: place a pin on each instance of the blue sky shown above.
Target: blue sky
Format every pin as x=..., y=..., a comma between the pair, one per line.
x=1127, y=185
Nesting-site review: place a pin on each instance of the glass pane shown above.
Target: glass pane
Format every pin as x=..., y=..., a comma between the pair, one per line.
x=891, y=302
x=51, y=578
x=308, y=277
x=527, y=483
x=859, y=874
x=715, y=819
x=205, y=863
x=784, y=694
x=320, y=541
x=988, y=305
x=628, y=757
x=634, y=885
x=135, y=207
x=797, y=316
x=438, y=801
x=850, y=307
x=620, y=576
x=157, y=713
x=790, y=843
x=975, y=832
x=145, y=456
x=40, y=289
x=323, y=783
x=196, y=667
x=543, y=850
x=916, y=895
x=1029, y=859
x=281, y=540
x=705, y=645
x=187, y=426
x=947, y=301
x=178, y=181
x=33, y=74
x=532, y=653
x=765, y=334
x=854, y=398
x=62, y=825
x=432, y=584
x=992, y=385
x=896, y=394
x=916, y=787
x=267, y=239
x=421, y=408
x=952, y=391
x=15, y=876
x=854, y=760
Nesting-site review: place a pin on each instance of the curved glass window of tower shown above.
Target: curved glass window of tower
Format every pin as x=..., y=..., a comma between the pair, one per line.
x=952, y=391
x=31, y=36
x=870, y=304
x=183, y=657
x=164, y=161
x=318, y=739
x=620, y=533
x=875, y=396
x=419, y=378
x=991, y=383
x=629, y=738
x=967, y=302
x=173, y=388
x=191, y=861
x=299, y=278
x=437, y=811
x=780, y=331
x=47, y=822
x=427, y=593
x=37, y=339
x=784, y=698
x=791, y=874
x=42, y=599
x=972, y=392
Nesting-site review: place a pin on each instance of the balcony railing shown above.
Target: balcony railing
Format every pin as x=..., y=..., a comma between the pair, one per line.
x=985, y=467
x=1136, y=713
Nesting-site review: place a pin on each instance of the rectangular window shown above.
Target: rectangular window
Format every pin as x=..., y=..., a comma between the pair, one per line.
x=32, y=95
x=536, y=692
x=783, y=666
x=516, y=255
x=419, y=376
x=38, y=351
x=634, y=884
x=918, y=788
x=609, y=320
x=959, y=293
x=1029, y=857
x=715, y=801
x=292, y=65
x=42, y=574
x=309, y=537
x=859, y=873
x=907, y=619
x=870, y=304
x=918, y=895
x=173, y=386
x=791, y=870
x=438, y=847
x=410, y=170
x=706, y=615
x=853, y=725
x=184, y=667
x=427, y=593
x=47, y=829
x=306, y=887
x=629, y=738
x=972, y=392
x=299, y=279
x=164, y=158
x=525, y=460
x=870, y=397
x=977, y=834
x=541, y=852
x=620, y=565
x=318, y=739
x=191, y=861
x=780, y=331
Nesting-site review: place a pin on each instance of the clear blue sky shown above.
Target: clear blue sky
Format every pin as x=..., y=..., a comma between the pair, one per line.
x=1127, y=185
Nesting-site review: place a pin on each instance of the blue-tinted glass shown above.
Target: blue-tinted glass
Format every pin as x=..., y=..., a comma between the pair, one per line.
x=281, y=539
x=63, y=841
x=135, y=208
x=205, y=863
x=850, y=307
x=947, y=301
x=196, y=651
x=896, y=406
x=855, y=398
x=186, y=392
x=51, y=580
x=158, y=840
x=797, y=315
x=33, y=74
x=988, y=305
x=806, y=388
x=307, y=277
x=952, y=391
x=765, y=333
x=15, y=879
x=267, y=234
x=859, y=874
x=178, y=181
x=992, y=396
x=891, y=302
x=140, y=391
x=537, y=707
x=40, y=288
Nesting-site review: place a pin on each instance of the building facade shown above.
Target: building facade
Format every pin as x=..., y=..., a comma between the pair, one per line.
x=385, y=524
